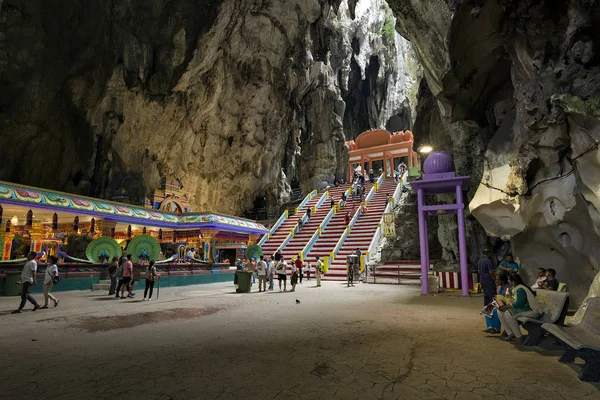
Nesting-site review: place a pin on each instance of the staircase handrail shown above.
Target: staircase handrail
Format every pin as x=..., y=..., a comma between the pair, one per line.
x=313, y=239
x=356, y=216
x=308, y=198
x=321, y=201
x=339, y=244
x=388, y=208
x=374, y=188
x=280, y=221
x=379, y=182
x=374, y=241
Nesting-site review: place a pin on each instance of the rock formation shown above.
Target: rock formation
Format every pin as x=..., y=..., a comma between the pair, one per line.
x=516, y=82
x=240, y=99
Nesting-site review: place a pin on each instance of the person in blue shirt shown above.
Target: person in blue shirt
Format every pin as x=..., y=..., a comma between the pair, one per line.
x=508, y=265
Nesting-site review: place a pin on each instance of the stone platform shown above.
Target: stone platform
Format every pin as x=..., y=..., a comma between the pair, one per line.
x=206, y=342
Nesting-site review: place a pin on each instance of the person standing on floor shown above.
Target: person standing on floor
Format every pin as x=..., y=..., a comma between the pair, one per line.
x=294, y=278
x=299, y=263
x=49, y=277
x=282, y=274
x=127, y=277
x=271, y=266
x=487, y=277
x=261, y=268
x=28, y=280
x=112, y=273
x=151, y=277
x=318, y=271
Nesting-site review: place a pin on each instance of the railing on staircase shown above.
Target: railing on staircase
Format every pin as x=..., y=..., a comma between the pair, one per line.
x=308, y=198
x=388, y=208
x=279, y=222
x=340, y=242
x=374, y=189
x=317, y=234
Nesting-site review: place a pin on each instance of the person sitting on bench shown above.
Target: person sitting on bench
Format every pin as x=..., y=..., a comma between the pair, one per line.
x=523, y=304
x=541, y=278
x=550, y=283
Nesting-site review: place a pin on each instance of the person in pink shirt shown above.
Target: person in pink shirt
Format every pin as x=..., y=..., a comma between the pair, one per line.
x=127, y=277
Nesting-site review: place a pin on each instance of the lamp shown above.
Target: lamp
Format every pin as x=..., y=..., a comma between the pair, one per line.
x=14, y=220
x=426, y=149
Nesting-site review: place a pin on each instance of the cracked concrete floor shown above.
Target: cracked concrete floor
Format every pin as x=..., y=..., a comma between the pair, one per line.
x=204, y=342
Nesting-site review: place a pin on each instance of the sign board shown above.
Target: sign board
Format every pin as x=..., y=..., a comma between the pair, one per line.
x=389, y=227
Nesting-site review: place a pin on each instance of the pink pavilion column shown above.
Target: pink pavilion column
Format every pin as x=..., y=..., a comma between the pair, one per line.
x=424, y=242
x=462, y=242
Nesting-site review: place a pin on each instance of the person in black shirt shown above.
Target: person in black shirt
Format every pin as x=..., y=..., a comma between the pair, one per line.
x=550, y=283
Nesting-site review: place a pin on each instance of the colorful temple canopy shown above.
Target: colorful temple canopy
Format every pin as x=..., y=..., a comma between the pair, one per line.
x=25, y=196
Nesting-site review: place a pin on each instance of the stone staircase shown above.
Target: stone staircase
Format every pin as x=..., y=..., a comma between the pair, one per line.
x=397, y=272
x=363, y=231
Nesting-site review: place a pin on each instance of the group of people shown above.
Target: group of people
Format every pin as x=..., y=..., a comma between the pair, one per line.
x=122, y=278
x=29, y=279
x=276, y=267
x=507, y=297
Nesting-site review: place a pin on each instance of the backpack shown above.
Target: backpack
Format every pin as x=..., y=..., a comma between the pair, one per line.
x=119, y=273
x=56, y=279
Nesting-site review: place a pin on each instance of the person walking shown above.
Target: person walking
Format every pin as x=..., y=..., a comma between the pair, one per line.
x=127, y=277
x=294, y=278
x=298, y=264
x=49, y=277
x=151, y=277
x=332, y=202
x=28, y=280
x=119, y=276
x=112, y=273
x=318, y=271
x=261, y=268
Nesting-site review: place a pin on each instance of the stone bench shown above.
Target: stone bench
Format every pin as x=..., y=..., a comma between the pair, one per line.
x=582, y=340
x=554, y=306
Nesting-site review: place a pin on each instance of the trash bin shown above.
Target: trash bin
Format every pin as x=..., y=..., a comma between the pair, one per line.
x=244, y=281
x=12, y=284
x=434, y=283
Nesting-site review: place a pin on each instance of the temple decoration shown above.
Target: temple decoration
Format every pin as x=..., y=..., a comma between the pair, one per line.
x=128, y=231
x=160, y=234
x=380, y=145
x=438, y=178
x=143, y=248
x=76, y=224
x=93, y=226
x=29, y=219
x=103, y=250
x=55, y=222
x=169, y=197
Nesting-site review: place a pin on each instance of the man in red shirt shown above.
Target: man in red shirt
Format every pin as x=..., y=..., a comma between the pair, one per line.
x=127, y=277
x=298, y=263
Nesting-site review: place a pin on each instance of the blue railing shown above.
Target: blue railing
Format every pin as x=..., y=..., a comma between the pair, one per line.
x=279, y=222
x=306, y=200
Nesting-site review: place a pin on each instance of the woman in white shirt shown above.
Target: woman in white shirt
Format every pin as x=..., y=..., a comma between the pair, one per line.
x=49, y=276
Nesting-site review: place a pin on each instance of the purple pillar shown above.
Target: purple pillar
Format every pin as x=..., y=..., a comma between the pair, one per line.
x=462, y=245
x=423, y=242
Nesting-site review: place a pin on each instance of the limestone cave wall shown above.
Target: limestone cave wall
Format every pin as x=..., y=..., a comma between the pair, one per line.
x=240, y=99
x=512, y=92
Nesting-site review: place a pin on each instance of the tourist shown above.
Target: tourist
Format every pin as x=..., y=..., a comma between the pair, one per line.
x=49, y=277
x=364, y=209
x=151, y=277
x=281, y=269
x=262, y=274
x=332, y=202
x=550, y=283
x=127, y=278
x=299, y=268
x=350, y=270
x=492, y=321
x=294, y=277
x=319, y=268
x=308, y=213
x=161, y=256
x=541, y=278
x=307, y=270
x=487, y=277
x=28, y=279
x=347, y=218
x=508, y=265
x=387, y=198
x=112, y=273
x=119, y=276
x=358, y=253
x=252, y=268
x=523, y=304
x=371, y=176
x=343, y=200
x=271, y=267
x=300, y=223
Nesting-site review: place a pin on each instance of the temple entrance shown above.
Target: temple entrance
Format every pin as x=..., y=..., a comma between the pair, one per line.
x=228, y=254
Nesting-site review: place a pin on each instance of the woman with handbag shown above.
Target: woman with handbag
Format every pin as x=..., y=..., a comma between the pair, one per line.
x=50, y=277
x=151, y=277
